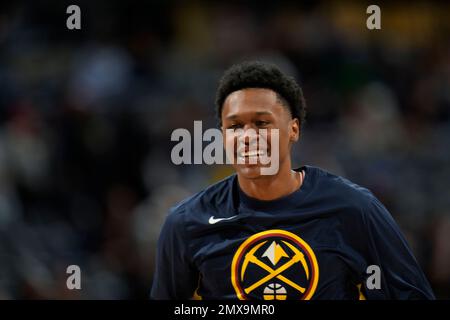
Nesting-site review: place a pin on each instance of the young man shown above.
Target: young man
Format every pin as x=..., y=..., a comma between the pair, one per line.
x=294, y=234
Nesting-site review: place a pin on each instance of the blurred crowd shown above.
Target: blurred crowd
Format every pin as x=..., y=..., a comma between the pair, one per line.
x=86, y=117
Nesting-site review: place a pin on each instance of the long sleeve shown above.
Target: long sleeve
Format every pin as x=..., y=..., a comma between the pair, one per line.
x=175, y=277
x=401, y=276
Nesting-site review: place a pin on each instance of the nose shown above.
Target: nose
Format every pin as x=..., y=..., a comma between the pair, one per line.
x=248, y=136
x=249, y=126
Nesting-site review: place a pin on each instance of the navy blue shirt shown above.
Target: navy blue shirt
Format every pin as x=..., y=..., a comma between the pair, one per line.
x=330, y=239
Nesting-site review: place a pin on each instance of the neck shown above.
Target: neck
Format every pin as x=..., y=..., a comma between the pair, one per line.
x=273, y=187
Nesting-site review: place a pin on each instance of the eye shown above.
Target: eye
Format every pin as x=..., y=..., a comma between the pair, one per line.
x=234, y=126
x=261, y=123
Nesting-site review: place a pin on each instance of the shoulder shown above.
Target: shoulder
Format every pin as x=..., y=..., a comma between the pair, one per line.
x=358, y=209
x=208, y=199
x=342, y=191
x=360, y=200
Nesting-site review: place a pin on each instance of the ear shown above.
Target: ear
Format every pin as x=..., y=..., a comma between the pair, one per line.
x=294, y=130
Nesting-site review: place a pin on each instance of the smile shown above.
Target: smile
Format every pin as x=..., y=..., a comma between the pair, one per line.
x=252, y=155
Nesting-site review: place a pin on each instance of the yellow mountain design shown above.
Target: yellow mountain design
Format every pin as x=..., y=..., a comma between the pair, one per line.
x=274, y=253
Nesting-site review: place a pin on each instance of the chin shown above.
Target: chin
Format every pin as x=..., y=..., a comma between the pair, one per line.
x=249, y=171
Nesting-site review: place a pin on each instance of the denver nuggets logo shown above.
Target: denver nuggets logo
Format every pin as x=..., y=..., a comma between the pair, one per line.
x=274, y=265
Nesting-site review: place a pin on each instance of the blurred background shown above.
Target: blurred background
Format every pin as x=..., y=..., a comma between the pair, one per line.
x=86, y=117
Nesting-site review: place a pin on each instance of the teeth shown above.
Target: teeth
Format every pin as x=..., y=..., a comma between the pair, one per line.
x=253, y=153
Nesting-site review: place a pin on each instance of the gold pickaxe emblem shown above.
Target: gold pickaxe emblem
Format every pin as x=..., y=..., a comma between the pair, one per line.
x=250, y=257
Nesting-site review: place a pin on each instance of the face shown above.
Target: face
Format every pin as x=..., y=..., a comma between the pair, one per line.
x=257, y=109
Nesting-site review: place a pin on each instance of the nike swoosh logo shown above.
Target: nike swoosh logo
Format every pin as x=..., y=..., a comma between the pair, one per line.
x=213, y=220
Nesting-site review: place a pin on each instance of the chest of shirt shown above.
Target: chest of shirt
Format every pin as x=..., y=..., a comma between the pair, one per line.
x=276, y=257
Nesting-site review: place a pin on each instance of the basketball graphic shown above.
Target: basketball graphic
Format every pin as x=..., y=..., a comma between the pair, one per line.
x=274, y=291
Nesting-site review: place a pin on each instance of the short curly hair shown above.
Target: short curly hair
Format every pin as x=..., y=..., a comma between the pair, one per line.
x=256, y=74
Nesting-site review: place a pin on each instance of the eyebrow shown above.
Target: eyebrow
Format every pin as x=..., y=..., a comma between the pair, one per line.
x=258, y=113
